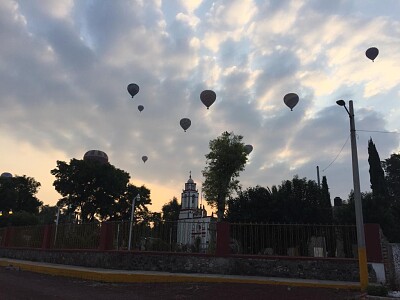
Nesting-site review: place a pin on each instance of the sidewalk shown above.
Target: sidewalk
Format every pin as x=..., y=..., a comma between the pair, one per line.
x=122, y=276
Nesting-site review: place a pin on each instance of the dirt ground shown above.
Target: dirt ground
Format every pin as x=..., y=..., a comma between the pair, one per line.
x=20, y=285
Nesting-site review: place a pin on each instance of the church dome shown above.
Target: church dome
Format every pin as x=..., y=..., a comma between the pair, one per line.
x=6, y=174
x=190, y=180
x=96, y=155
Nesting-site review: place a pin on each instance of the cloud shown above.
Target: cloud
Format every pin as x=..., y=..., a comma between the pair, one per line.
x=65, y=67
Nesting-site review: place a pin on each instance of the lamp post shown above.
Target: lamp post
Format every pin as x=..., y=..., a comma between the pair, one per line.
x=362, y=253
x=137, y=197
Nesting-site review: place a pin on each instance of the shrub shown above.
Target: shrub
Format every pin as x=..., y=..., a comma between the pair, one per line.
x=377, y=290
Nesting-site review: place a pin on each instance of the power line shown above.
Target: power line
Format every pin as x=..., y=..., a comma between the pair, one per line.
x=338, y=154
x=378, y=131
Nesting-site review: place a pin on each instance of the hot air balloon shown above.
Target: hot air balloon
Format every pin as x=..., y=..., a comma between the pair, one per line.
x=185, y=123
x=208, y=97
x=144, y=158
x=372, y=53
x=133, y=89
x=248, y=149
x=140, y=108
x=291, y=100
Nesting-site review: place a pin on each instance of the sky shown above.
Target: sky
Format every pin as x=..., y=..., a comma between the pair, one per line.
x=65, y=66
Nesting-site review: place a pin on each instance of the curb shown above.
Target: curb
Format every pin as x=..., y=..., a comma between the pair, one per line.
x=122, y=276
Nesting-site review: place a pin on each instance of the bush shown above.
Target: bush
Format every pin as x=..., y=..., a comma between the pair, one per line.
x=377, y=290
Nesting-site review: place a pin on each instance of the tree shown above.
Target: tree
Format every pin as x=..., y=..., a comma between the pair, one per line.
x=98, y=191
x=392, y=170
x=122, y=208
x=224, y=162
x=255, y=204
x=294, y=201
x=19, y=194
x=378, y=205
x=170, y=210
x=325, y=204
x=301, y=198
x=23, y=218
x=47, y=214
x=392, y=176
x=376, y=174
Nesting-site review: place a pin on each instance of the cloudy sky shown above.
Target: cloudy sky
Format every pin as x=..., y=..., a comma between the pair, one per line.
x=65, y=66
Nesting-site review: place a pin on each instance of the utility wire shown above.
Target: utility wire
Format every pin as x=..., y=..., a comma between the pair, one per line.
x=338, y=154
x=378, y=131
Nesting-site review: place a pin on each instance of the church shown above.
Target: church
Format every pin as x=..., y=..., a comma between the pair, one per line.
x=193, y=223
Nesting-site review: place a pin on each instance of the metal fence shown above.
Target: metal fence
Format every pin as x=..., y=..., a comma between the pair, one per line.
x=165, y=236
x=197, y=237
x=294, y=240
x=76, y=236
x=26, y=236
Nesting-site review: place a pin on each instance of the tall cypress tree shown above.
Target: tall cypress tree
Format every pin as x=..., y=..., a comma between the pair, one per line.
x=326, y=205
x=377, y=206
x=376, y=174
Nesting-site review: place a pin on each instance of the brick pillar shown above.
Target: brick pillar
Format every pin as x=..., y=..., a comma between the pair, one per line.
x=8, y=235
x=373, y=243
x=106, y=236
x=223, y=238
x=47, y=236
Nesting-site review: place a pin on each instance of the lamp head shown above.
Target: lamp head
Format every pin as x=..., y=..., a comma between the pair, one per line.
x=341, y=103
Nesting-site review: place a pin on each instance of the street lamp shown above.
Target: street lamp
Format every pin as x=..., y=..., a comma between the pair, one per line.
x=137, y=197
x=362, y=253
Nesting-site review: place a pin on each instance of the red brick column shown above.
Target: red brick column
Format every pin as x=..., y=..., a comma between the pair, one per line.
x=47, y=236
x=373, y=243
x=223, y=238
x=106, y=236
x=8, y=235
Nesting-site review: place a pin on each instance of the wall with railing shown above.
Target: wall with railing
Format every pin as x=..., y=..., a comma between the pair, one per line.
x=160, y=236
x=305, y=240
x=298, y=240
x=272, y=250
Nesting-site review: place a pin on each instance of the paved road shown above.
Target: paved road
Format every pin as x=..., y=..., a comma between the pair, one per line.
x=20, y=285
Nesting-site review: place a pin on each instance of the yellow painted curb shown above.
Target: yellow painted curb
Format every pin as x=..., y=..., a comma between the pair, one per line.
x=112, y=276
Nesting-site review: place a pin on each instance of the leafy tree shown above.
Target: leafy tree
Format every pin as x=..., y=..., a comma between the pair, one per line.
x=170, y=210
x=255, y=204
x=19, y=194
x=122, y=208
x=96, y=190
x=294, y=201
x=23, y=218
x=224, y=162
x=301, y=198
x=47, y=214
x=392, y=171
x=345, y=214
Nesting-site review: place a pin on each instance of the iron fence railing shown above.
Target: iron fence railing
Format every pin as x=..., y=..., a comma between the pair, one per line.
x=76, y=236
x=182, y=236
x=27, y=236
x=294, y=240
x=191, y=236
